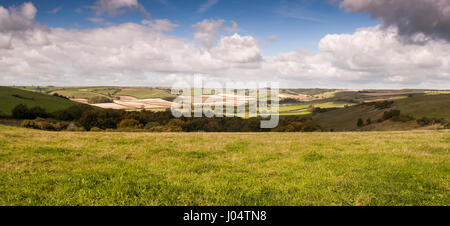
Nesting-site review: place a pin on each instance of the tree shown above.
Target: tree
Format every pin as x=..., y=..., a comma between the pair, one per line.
x=92, y=118
x=369, y=121
x=21, y=111
x=360, y=122
x=38, y=112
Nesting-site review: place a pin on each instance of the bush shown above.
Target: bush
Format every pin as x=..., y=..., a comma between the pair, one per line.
x=360, y=122
x=431, y=121
x=380, y=105
x=96, y=129
x=129, y=123
x=29, y=124
x=74, y=128
x=391, y=114
x=151, y=125
x=403, y=118
x=43, y=124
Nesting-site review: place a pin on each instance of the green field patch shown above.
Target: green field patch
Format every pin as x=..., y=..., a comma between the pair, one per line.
x=51, y=150
x=436, y=150
x=237, y=146
x=162, y=148
x=313, y=157
x=197, y=154
x=204, y=168
x=124, y=141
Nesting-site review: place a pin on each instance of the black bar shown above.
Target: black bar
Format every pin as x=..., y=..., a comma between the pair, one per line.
x=227, y=215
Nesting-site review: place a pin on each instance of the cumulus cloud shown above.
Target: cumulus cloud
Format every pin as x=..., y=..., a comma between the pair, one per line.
x=238, y=49
x=160, y=25
x=117, y=7
x=411, y=17
x=17, y=18
x=132, y=54
x=376, y=54
x=206, y=31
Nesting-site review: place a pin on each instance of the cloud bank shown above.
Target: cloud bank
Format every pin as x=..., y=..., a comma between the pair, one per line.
x=117, y=7
x=142, y=54
x=411, y=17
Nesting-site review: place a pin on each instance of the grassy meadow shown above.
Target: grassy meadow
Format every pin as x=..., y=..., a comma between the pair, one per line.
x=87, y=168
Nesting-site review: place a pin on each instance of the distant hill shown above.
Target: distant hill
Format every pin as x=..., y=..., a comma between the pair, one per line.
x=345, y=119
x=434, y=106
x=11, y=97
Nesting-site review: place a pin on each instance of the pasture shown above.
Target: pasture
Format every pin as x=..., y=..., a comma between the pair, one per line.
x=104, y=168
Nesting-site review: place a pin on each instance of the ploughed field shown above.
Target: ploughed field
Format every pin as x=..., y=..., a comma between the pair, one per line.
x=87, y=168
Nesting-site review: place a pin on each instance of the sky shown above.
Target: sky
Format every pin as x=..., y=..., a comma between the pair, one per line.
x=352, y=44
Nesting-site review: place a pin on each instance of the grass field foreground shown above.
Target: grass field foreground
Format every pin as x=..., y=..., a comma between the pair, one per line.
x=85, y=168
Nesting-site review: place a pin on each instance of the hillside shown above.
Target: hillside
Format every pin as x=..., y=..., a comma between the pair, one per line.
x=345, y=119
x=11, y=97
x=435, y=106
x=90, y=168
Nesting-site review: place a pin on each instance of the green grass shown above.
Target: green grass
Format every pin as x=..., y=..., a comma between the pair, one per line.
x=31, y=99
x=431, y=106
x=303, y=109
x=346, y=119
x=436, y=106
x=68, y=168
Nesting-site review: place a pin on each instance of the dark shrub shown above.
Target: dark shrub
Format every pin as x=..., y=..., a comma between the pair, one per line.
x=360, y=122
x=38, y=112
x=21, y=111
x=99, y=100
x=402, y=118
x=431, y=121
x=129, y=123
x=390, y=114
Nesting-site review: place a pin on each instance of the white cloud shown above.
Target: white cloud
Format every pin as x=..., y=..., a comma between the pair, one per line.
x=160, y=25
x=17, y=18
x=376, y=54
x=206, y=31
x=117, y=7
x=238, y=49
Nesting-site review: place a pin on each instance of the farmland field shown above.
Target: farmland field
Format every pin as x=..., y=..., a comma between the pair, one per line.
x=87, y=168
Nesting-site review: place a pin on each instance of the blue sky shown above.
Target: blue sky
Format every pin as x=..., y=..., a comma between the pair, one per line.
x=298, y=24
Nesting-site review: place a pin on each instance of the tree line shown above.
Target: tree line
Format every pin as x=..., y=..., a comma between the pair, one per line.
x=89, y=118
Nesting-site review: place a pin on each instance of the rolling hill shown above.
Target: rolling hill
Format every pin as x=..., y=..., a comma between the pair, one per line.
x=11, y=97
x=345, y=119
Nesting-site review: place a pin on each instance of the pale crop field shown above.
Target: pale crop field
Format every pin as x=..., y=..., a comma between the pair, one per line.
x=86, y=168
